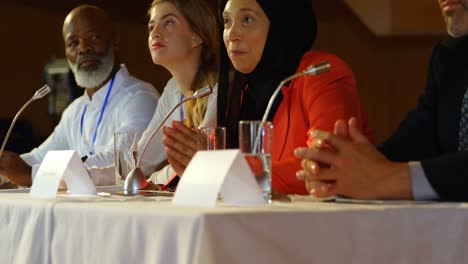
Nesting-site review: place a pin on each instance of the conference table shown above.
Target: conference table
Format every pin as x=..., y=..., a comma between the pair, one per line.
x=140, y=229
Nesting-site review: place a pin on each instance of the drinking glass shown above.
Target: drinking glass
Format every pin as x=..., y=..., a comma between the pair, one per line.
x=126, y=153
x=255, y=144
x=215, y=137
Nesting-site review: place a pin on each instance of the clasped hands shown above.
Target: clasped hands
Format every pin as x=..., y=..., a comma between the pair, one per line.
x=346, y=163
x=181, y=143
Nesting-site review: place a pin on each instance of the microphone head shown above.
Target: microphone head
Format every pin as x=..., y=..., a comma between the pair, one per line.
x=318, y=68
x=43, y=91
x=201, y=93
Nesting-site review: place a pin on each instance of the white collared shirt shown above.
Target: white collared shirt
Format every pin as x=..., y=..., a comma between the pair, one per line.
x=130, y=106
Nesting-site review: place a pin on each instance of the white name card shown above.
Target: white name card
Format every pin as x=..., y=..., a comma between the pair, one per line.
x=224, y=172
x=57, y=165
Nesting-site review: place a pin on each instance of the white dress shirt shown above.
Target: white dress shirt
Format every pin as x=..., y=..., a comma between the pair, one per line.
x=421, y=188
x=130, y=106
x=155, y=153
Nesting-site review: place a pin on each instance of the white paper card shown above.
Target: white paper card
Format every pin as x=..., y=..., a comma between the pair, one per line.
x=57, y=165
x=221, y=171
x=240, y=186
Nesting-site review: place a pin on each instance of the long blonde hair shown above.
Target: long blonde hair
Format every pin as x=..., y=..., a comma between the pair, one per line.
x=202, y=22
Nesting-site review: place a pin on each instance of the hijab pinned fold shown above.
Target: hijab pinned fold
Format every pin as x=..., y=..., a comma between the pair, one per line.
x=292, y=32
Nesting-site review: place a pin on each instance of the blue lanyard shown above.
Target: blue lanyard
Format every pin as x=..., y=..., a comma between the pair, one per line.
x=104, y=105
x=182, y=109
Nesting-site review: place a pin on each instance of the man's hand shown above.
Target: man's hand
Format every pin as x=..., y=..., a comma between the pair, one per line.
x=181, y=143
x=357, y=169
x=15, y=169
x=310, y=166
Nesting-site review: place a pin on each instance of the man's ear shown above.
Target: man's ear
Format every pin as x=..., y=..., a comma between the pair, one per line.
x=196, y=41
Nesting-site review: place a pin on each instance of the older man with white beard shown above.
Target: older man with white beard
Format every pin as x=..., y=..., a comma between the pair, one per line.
x=113, y=101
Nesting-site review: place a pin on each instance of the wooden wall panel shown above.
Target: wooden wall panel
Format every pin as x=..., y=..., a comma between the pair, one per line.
x=399, y=17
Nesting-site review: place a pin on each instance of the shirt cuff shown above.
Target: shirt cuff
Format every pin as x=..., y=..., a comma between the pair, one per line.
x=422, y=189
x=34, y=169
x=162, y=176
x=29, y=159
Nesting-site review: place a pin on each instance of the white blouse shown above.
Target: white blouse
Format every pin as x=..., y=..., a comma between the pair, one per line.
x=155, y=153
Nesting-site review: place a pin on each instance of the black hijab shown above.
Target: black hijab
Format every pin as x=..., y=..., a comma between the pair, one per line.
x=292, y=32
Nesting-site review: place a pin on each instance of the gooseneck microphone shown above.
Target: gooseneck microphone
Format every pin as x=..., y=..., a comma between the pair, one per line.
x=43, y=91
x=315, y=69
x=135, y=179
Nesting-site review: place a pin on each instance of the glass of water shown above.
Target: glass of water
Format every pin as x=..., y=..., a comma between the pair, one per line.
x=255, y=144
x=215, y=137
x=126, y=153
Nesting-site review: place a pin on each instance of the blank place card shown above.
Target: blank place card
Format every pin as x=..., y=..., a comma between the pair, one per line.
x=58, y=165
x=224, y=172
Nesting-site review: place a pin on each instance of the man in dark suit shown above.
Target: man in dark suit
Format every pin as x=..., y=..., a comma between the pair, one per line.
x=435, y=134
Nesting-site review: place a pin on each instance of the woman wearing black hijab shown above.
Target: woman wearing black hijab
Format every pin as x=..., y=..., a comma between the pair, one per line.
x=266, y=41
x=284, y=32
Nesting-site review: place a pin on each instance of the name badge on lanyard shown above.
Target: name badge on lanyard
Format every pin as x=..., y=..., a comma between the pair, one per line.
x=103, y=109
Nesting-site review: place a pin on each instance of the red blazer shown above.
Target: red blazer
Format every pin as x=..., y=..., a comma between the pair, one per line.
x=311, y=102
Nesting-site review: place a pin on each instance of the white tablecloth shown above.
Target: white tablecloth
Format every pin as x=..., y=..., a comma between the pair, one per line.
x=106, y=230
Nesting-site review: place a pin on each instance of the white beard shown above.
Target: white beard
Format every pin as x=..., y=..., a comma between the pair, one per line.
x=92, y=79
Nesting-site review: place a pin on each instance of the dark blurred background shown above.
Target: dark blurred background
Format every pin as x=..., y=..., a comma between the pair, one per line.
x=387, y=43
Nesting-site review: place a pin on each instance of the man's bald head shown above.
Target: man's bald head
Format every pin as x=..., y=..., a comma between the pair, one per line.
x=90, y=45
x=88, y=13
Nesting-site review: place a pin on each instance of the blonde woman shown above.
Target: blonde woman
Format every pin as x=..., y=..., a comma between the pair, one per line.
x=186, y=44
